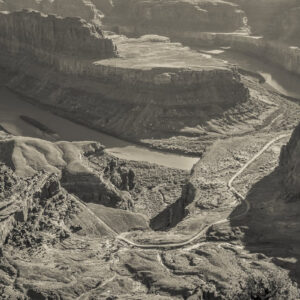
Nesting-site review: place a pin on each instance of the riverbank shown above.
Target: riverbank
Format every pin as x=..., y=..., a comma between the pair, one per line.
x=13, y=105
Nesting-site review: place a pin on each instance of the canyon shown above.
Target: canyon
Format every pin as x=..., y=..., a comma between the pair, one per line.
x=144, y=155
x=179, y=90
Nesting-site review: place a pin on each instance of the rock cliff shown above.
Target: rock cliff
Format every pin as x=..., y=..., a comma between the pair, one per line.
x=274, y=51
x=65, y=8
x=159, y=100
x=273, y=19
x=174, y=17
x=290, y=165
x=34, y=34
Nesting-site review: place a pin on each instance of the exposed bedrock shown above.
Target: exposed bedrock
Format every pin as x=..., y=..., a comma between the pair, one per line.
x=131, y=97
x=27, y=157
x=91, y=188
x=273, y=51
x=274, y=19
x=175, y=212
x=46, y=37
x=65, y=8
x=104, y=6
x=172, y=17
x=290, y=165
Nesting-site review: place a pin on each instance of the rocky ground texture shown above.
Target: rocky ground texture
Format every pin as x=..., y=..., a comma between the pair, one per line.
x=78, y=223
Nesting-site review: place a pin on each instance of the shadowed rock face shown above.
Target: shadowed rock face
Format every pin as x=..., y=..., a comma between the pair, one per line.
x=28, y=157
x=37, y=34
x=290, y=165
x=276, y=19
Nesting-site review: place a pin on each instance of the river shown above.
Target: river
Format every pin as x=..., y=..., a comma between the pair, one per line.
x=12, y=107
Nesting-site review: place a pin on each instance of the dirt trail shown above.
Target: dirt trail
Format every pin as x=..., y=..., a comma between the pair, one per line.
x=204, y=230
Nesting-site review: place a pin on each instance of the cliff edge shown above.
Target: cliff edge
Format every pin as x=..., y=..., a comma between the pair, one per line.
x=152, y=91
x=290, y=165
x=38, y=34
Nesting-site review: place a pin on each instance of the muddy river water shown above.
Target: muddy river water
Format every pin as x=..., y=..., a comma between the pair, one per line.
x=12, y=107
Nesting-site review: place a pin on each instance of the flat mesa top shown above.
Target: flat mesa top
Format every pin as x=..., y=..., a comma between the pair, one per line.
x=152, y=51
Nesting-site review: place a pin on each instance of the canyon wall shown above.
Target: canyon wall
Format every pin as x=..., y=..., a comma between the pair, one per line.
x=65, y=8
x=276, y=52
x=34, y=34
x=62, y=66
x=272, y=51
x=290, y=165
x=173, y=17
x=274, y=19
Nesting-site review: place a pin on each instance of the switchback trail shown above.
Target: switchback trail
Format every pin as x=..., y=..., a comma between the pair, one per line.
x=205, y=229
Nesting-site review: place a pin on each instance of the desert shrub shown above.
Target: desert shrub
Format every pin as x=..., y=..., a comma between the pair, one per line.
x=271, y=286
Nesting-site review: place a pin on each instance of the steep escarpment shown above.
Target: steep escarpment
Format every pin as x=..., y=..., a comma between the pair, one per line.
x=289, y=26
x=134, y=95
x=274, y=19
x=290, y=165
x=34, y=34
x=65, y=8
x=275, y=29
x=175, y=17
x=272, y=51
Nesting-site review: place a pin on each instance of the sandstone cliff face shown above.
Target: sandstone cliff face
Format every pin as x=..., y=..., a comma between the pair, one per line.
x=65, y=8
x=32, y=33
x=290, y=165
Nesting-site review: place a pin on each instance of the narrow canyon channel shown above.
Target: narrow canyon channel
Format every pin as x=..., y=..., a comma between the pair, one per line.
x=12, y=106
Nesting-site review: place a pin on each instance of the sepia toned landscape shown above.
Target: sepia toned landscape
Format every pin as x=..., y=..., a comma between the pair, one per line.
x=150, y=149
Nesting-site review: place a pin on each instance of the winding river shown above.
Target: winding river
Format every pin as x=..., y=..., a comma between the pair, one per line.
x=12, y=107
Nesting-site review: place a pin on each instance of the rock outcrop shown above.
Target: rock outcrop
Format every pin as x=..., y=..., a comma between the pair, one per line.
x=290, y=165
x=66, y=8
x=27, y=157
x=157, y=99
x=273, y=19
x=31, y=33
x=272, y=51
x=175, y=18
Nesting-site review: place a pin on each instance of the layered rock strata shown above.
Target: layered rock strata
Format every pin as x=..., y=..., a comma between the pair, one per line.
x=175, y=17
x=49, y=38
x=275, y=52
x=290, y=165
x=135, y=95
x=65, y=8
x=274, y=19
